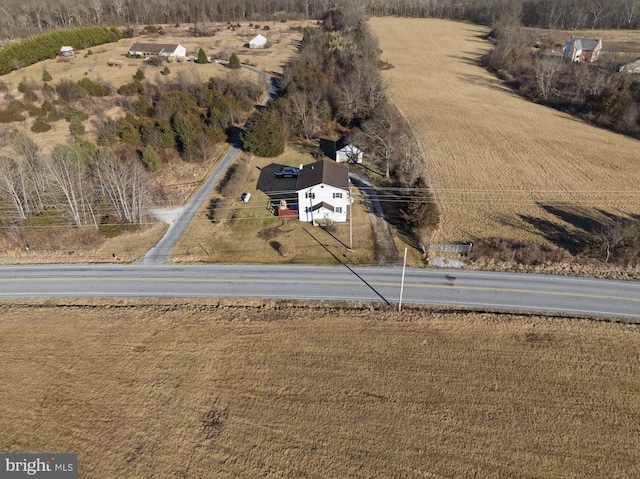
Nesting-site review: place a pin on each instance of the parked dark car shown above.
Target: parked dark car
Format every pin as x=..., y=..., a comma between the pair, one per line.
x=286, y=172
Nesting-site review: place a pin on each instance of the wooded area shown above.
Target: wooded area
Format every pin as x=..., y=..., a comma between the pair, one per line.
x=19, y=18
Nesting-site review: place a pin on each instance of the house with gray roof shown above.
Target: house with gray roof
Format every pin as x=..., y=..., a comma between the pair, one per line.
x=582, y=50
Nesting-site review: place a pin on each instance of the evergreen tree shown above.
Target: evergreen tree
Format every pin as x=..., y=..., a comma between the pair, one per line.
x=264, y=135
x=186, y=135
x=202, y=57
x=139, y=76
x=234, y=61
x=421, y=209
x=151, y=159
x=46, y=76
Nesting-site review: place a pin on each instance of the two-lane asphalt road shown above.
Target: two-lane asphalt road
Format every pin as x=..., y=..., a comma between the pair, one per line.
x=467, y=289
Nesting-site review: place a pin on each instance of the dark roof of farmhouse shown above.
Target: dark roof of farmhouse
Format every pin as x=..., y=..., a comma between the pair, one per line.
x=153, y=47
x=323, y=171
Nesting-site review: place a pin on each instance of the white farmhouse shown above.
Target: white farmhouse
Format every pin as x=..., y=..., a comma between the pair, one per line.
x=323, y=192
x=158, y=49
x=258, y=42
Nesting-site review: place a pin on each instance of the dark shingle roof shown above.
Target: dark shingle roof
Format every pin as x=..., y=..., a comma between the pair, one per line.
x=323, y=171
x=322, y=204
x=153, y=47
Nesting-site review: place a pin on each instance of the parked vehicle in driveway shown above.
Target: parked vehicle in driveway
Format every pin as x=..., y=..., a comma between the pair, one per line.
x=286, y=172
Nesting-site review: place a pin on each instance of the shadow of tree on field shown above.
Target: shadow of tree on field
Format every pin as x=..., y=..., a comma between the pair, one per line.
x=578, y=227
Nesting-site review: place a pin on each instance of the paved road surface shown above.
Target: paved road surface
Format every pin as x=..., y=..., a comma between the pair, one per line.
x=183, y=216
x=469, y=289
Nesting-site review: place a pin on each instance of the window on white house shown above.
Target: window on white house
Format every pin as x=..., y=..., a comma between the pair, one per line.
x=306, y=210
x=338, y=209
x=310, y=195
x=337, y=195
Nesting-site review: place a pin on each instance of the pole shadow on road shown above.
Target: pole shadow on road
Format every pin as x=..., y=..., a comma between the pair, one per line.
x=348, y=267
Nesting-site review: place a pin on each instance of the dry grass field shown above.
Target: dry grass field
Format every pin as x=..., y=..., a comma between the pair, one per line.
x=282, y=37
x=500, y=166
x=265, y=389
x=252, y=234
x=177, y=180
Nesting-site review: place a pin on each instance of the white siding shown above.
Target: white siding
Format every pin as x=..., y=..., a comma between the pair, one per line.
x=258, y=42
x=336, y=197
x=342, y=156
x=180, y=51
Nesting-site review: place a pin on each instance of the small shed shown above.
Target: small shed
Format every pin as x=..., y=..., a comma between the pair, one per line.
x=258, y=42
x=66, y=52
x=341, y=151
x=582, y=50
x=349, y=154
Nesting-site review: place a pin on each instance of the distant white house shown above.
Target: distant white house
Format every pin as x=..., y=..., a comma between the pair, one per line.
x=582, y=50
x=66, y=52
x=258, y=42
x=158, y=49
x=323, y=192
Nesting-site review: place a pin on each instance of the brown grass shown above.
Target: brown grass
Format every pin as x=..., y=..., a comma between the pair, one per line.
x=252, y=234
x=216, y=389
x=95, y=67
x=500, y=165
x=58, y=245
x=177, y=179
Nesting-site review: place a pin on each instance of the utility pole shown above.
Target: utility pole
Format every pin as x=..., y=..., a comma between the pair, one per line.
x=350, y=205
x=404, y=266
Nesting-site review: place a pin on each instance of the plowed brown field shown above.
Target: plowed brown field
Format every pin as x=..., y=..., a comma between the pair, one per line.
x=228, y=389
x=500, y=165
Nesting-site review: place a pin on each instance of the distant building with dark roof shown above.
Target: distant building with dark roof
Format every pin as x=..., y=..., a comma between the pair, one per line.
x=158, y=49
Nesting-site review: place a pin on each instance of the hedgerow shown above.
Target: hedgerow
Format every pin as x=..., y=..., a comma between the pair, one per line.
x=41, y=47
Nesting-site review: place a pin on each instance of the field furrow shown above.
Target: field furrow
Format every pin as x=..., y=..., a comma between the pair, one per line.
x=499, y=164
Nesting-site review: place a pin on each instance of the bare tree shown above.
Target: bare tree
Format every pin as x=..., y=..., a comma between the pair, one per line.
x=410, y=158
x=383, y=134
x=546, y=70
x=124, y=184
x=68, y=174
x=29, y=153
x=350, y=99
x=610, y=235
x=308, y=110
x=13, y=186
x=596, y=9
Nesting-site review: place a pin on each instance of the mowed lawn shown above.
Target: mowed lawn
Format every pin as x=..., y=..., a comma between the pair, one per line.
x=264, y=389
x=500, y=166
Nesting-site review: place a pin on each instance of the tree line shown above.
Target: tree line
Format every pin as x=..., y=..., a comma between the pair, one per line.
x=20, y=18
x=598, y=92
x=87, y=184
x=44, y=46
x=334, y=83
